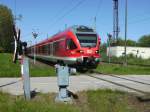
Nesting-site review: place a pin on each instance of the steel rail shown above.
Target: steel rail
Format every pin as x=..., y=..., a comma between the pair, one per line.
x=121, y=85
x=124, y=78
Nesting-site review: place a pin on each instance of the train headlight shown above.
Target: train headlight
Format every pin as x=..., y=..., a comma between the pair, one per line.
x=97, y=51
x=80, y=51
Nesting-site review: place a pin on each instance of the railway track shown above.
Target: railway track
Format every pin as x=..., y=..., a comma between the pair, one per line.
x=121, y=63
x=133, y=80
x=114, y=77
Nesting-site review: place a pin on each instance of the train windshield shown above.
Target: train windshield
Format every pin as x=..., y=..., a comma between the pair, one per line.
x=87, y=40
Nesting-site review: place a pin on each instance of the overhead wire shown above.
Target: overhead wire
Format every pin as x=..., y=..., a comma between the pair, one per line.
x=131, y=22
x=98, y=7
x=140, y=20
x=61, y=17
x=62, y=9
x=137, y=21
x=97, y=12
x=68, y=12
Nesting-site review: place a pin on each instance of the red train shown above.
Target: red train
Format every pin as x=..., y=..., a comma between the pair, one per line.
x=76, y=46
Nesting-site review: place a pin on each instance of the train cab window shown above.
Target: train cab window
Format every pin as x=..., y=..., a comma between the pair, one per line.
x=87, y=40
x=70, y=44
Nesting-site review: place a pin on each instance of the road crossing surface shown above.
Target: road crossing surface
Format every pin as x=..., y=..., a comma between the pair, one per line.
x=139, y=84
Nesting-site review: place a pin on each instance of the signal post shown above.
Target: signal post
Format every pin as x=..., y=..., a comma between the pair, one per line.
x=24, y=62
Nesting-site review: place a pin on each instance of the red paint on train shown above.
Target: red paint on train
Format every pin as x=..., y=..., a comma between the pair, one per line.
x=78, y=46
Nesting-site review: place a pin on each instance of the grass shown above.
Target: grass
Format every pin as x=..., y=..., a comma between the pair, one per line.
x=122, y=70
x=90, y=101
x=118, y=69
x=40, y=70
x=9, y=69
x=108, y=101
x=132, y=60
x=42, y=103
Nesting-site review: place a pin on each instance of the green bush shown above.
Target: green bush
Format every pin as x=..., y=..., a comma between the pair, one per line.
x=131, y=59
x=1, y=50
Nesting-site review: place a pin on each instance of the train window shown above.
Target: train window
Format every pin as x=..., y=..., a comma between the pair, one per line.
x=56, y=46
x=87, y=40
x=44, y=49
x=70, y=44
x=40, y=49
x=48, y=47
x=51, y=49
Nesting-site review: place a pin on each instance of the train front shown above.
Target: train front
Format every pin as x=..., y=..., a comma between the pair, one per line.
x=88, y=45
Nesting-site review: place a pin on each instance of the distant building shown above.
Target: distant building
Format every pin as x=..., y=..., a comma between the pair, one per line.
x=140, y=52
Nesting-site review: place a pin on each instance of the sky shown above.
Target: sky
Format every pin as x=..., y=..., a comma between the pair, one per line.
x=47, y=17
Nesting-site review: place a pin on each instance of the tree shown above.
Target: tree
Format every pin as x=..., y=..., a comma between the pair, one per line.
x=103, y=47
x=6, y=28
x=121, y=42
x=131, y=42
x=144, y=41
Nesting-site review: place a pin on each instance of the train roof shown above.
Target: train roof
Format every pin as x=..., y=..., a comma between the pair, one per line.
x=82, y=29
x=75, y=29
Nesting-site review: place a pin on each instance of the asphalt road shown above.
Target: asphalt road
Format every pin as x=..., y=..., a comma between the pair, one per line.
x=129, y=83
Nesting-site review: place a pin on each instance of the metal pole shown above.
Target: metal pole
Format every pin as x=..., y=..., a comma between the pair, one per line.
x=26, y=78
x=109, y=43
x=109, y=50
x=65, y=26
x=126, y=17
x=115, y=21
x=35, y=52
x=95, y=23
x=30, y=43
x=35, y=36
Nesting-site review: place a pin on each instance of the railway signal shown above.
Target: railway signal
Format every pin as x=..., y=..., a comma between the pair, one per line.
x=108, y=44
x=35, y=36
x=18, y=55
x=17, y=50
